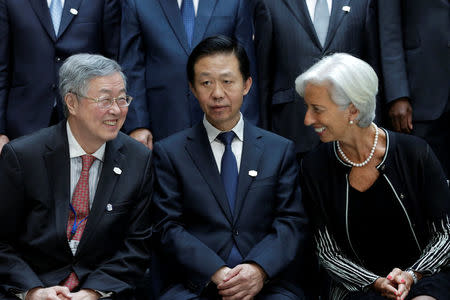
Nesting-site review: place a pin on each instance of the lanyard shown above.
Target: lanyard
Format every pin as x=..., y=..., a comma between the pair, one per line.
x=75, y=224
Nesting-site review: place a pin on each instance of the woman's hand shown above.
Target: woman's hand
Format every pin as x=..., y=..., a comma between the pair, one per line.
x=403, y=280
x=386, y=288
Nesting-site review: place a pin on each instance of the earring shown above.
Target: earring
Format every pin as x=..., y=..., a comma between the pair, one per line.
x=351, y=122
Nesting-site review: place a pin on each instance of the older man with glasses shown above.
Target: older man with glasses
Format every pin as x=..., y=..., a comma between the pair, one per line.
x=75, y=196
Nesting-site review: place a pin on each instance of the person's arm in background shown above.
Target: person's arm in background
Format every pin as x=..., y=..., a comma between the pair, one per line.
x=395, y=78
x=132, y=59
x=4, y=70
x=263, y=48
x=243, y=33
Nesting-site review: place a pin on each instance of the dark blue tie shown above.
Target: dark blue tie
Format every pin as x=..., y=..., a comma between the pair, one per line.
x=188, y=14
x=229, y=174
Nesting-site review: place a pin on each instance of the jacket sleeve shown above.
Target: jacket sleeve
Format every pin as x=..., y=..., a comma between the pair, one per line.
x=132, y=59
x=4, y=63
x=111, y=28
x=20, y=275
x=435, y=196
x=243, y=33
x=395, y=79
x=264, y=57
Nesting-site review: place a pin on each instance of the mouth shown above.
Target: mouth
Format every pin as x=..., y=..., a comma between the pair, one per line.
x=110, y=122
x=319, y=130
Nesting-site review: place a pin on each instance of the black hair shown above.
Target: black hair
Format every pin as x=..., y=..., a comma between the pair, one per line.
x=219, y=44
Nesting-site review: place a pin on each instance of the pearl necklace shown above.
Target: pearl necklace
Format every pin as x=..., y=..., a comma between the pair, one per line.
x=375, y=141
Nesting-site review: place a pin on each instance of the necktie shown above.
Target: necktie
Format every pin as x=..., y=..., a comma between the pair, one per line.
x=80, y=205
x=56, y=12
x=321, y=20
x=229, y=174
x=188, y=14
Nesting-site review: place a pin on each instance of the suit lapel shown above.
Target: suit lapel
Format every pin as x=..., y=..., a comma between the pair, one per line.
x=199, y=149
x=173, y=15
x=67, y=16
x=337, y=15
x=41, y=10
x=105, y=188
x=300, y=10
x=204, y=16
x=57, y=162
x=251, y=153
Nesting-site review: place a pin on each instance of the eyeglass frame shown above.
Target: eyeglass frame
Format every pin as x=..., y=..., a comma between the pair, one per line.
x=111, y=101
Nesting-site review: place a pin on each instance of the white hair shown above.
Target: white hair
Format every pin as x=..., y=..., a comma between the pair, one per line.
x=349, y=80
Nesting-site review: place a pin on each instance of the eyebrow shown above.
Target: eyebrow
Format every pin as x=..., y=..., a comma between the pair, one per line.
x=110, y=91
x=205, y=74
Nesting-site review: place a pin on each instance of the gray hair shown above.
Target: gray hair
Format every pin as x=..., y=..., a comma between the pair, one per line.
x=79, y=69
x=349, y=80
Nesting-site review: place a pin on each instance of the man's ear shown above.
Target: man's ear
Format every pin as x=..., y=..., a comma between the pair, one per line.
x=71, y=102
x=247, y=85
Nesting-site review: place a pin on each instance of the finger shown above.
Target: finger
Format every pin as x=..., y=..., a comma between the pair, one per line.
x=404, y=123
x=409, y=120
x=234, y=281
x=390, y=290
x=395, y=123
x=63, y=290
x=233, y=272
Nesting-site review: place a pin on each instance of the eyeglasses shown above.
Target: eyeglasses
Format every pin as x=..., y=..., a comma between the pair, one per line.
x=104, y=103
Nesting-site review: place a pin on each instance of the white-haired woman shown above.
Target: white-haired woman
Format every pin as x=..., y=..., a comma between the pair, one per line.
x=379, y=200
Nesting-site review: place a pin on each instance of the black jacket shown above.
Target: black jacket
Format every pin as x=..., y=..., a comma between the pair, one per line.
x=418, y=183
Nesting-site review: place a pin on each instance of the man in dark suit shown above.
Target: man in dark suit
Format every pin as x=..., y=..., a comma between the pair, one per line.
x=36, y=37
x=75, y=196
x=292, y=35
x=228, y=209
x=415, y=41
x=156, y=39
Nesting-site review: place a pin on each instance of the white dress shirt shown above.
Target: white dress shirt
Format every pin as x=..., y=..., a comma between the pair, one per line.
x=312, y=7
x=76, y=163
x=194, y=1
x=218, y=148
x=50, y=1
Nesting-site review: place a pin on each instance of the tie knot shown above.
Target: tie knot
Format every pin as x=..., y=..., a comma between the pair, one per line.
x=88, y=160
x=226, y=137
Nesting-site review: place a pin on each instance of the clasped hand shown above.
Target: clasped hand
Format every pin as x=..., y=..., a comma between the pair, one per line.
x=243, y=282
x=61, y=293
x=394, y=286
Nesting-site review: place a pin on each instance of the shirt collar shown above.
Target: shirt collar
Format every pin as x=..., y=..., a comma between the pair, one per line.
x=75, y=149
x=213, y=132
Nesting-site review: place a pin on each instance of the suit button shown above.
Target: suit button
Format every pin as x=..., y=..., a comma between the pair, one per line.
x=236, y=232
x=58, y=59
x=402, y=196
x=383, y=167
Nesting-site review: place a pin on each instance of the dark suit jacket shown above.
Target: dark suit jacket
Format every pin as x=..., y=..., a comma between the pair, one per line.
x=154, y=53
x=287, y=45
x=31, y=55
x=415, y=51
x=34, y=208
x=194, y=222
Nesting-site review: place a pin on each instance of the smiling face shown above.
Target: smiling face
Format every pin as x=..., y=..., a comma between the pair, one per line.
x=328, y=120
x=220, y=88
x=91, y=125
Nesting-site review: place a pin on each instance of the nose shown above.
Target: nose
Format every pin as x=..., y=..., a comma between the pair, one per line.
x=218, y=92
x=114, y=108
x=308, y=118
